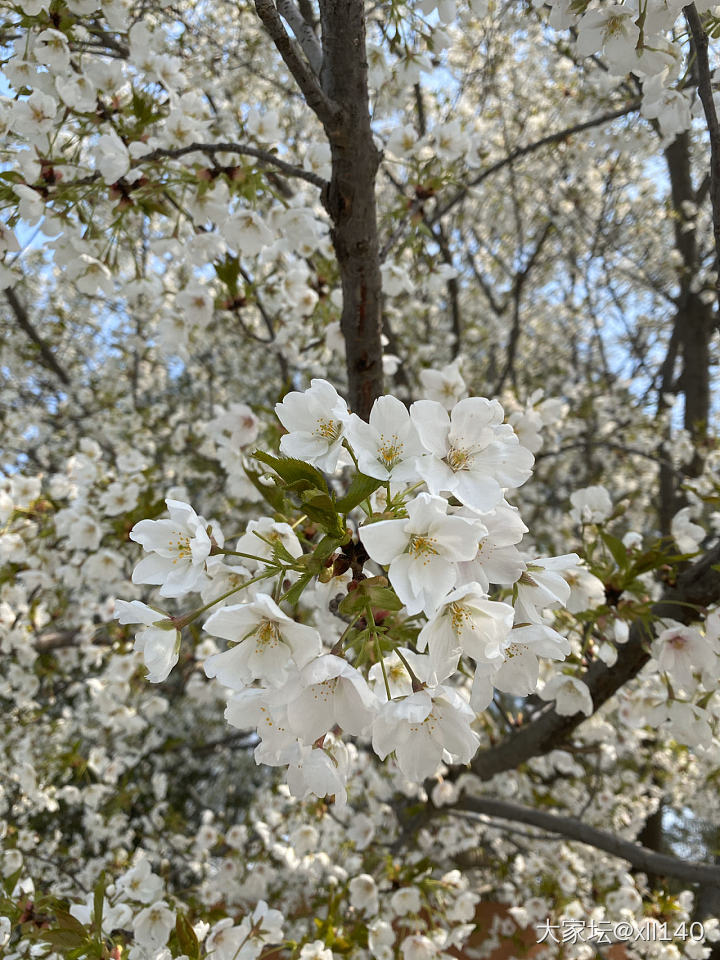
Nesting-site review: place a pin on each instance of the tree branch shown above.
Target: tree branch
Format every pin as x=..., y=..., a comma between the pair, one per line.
x=23, y=321
x=340, y=99
x=289, y=169
x=350, y=198
x=518, y=284
x=639, y=857
x=304, y=33
x=610, y=445
x=705, y=92
x=697, y=586
x=323, y=107
x=531, y=148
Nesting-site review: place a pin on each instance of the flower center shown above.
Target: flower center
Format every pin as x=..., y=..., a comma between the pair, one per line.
x=460, y=618
x=327, y=429
x=678, y=642
x=326, y=690
x=390, y=451
x=423, y=546
x=459, y=458
x=397, y=673
x=485, y=549
x=615, y=26
x=181, y=546
x=429, y=723
x=268, y=633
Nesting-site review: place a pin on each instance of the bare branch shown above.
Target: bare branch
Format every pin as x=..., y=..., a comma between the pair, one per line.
x=350, y=198
x=23, y=321
x=304, y=33
x=323, y=108
x=610, y=445
x=531, y=148
x=289, y=169
x=518, y=284
x=640, y=857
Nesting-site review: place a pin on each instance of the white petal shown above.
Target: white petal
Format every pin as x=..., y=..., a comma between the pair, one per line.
x=232, y=622
x=385, y=539
x=152, y=569
x=433, y=426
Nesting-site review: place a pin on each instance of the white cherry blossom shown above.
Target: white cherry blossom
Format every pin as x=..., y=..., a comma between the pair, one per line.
x=473, y=454
x=257, y=541
x=518, y=674
x=160, y=647
x=318, y=771
x=497, y=559
x=364, y=894
x=265, y=710
x=421, y=727
x=387, y=447
x=315, y=420
x=422, y=551
x=680, y=651
x=152, y=926
x=467, y=624
x=590, y=505
x=543, y=586
x=140, y=883
x=570, y=694
x=178, y=549
x=267, y=642
x=686, y=534
x=334, y=692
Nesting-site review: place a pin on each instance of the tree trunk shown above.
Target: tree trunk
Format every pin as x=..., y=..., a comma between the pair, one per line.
x=692, y=329
x=332, y=76
x=694, y=318
x=350, y=198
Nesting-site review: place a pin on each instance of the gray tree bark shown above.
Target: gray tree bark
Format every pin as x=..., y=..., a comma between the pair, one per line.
x=338, y=95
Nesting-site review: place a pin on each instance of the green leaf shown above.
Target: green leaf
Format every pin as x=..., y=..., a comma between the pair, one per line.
x=360, y=489
x=374, y=591
x=187, y=939
x=321, y=508
x=10, y=882
x=327, y=546
x=98, y=902
x=271, y=494
x=291, y=470
x=295, y=592
x=228, y=270
x=617, y=548
x=62, y=939
x=281, y=553
x=66, y=921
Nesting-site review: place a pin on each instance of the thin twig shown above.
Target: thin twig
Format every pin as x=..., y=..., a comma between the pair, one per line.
x=531, y=148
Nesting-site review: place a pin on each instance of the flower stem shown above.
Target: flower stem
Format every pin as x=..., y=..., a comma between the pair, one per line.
x=350, y=450
x=416, y=684
x=338, y=647
x=181, y=622
x=378, y=650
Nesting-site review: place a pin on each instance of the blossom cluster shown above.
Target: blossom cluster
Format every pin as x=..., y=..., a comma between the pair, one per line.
x=112, y=726
x=428, y=541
